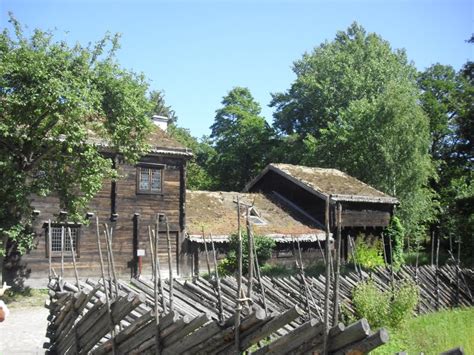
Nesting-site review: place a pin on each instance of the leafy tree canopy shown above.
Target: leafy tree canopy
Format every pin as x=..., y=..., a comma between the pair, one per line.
x=354, y=106
x=56, y=101
x=198, y=177
x=242, y=140
x=159, y=107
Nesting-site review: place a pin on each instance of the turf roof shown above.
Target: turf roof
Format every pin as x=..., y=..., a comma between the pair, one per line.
x=327, y=182
x=216, y=212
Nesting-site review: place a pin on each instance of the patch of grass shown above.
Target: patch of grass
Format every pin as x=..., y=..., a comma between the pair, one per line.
x=433, y=333
x=29, y=297
x=277, y=270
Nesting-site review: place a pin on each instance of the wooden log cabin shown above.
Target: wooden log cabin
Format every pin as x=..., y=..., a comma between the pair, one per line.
x=364, y=209
x=156, y=184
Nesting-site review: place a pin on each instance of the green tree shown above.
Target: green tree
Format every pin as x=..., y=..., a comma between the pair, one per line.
x=242, y=140
x=354, y=106
x=198, y=177
x=160, y=108
x=56, y=101
x=447, y=99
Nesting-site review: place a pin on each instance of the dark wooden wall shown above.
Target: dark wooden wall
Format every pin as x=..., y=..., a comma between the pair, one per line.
x=354, y=214
x=357, y=214
x=135, y=213
x=310, y=203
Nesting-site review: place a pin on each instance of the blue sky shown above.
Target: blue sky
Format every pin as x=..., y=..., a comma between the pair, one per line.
x=196, y=51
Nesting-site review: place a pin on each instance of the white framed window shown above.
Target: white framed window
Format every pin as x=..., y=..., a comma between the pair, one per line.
x=60, y=240
x=150, y=179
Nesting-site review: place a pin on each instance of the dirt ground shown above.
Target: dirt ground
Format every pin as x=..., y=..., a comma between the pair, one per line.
x=23, y=332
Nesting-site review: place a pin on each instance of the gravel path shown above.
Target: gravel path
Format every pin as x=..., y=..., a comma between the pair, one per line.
x=23, y=332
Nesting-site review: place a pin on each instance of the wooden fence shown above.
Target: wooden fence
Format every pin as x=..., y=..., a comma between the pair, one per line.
x=82, y=322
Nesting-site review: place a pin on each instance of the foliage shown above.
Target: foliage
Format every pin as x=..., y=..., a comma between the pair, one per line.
x=160, y=108
x=368, y=254
x=385, y=308
x=263, y=246
x=447, y=99
x=395, y=232
x=354, y=105
x=198, y=176
x=242, y=140
x=54, y=100
x=432, y=333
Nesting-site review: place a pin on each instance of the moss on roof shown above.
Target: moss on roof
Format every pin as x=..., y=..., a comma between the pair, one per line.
x=160, y=139
x=216, y=212
x=330, y=181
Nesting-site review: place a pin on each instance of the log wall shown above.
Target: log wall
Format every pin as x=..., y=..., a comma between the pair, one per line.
x=130, y=230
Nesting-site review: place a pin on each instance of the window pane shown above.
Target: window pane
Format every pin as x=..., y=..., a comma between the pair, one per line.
x=67, y=241
x=56, y=239
x=155, y=179
x=144, y=177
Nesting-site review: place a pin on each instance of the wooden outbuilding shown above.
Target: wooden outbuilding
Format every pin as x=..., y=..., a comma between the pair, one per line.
x=364, y=209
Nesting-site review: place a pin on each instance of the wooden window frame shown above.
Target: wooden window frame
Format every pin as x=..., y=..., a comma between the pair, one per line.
x=67, y=253
x=156, y=167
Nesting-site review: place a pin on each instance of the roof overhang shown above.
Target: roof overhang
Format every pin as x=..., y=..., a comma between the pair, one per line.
x=279, y=238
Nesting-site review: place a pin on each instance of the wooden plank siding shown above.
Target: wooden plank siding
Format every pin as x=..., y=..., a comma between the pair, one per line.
x=128, y=225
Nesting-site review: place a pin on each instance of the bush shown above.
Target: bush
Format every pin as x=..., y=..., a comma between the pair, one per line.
x=263, y=245
x=368, y=255
x=385, y=308
x=404, y=300
x=371, y=303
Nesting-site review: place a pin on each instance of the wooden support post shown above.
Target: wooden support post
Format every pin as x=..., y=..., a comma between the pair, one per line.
x=71, y=243
x=111, y=322
x=259, y=278
x=155, y=287
x=432, y=247
x=384, y=250
x=49, y=249
x=218, y=281
x=321, y=250
x=238, y=306
x=207, y=253
x=62, y=252
x=169, y=263
x=250, y=256
x=328, y=281
x=338, y=266
x=152, y=251
x=437, y=273
x=110, y=254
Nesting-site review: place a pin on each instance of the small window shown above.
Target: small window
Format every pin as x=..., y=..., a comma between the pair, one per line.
x=60, y=240
x=255, y=218
x=150, y=179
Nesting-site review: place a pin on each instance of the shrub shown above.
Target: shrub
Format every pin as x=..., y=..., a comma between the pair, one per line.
x=404, y=300
x=371, y=303
x=385, y=308
x=369, y=255
x=263, y=245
